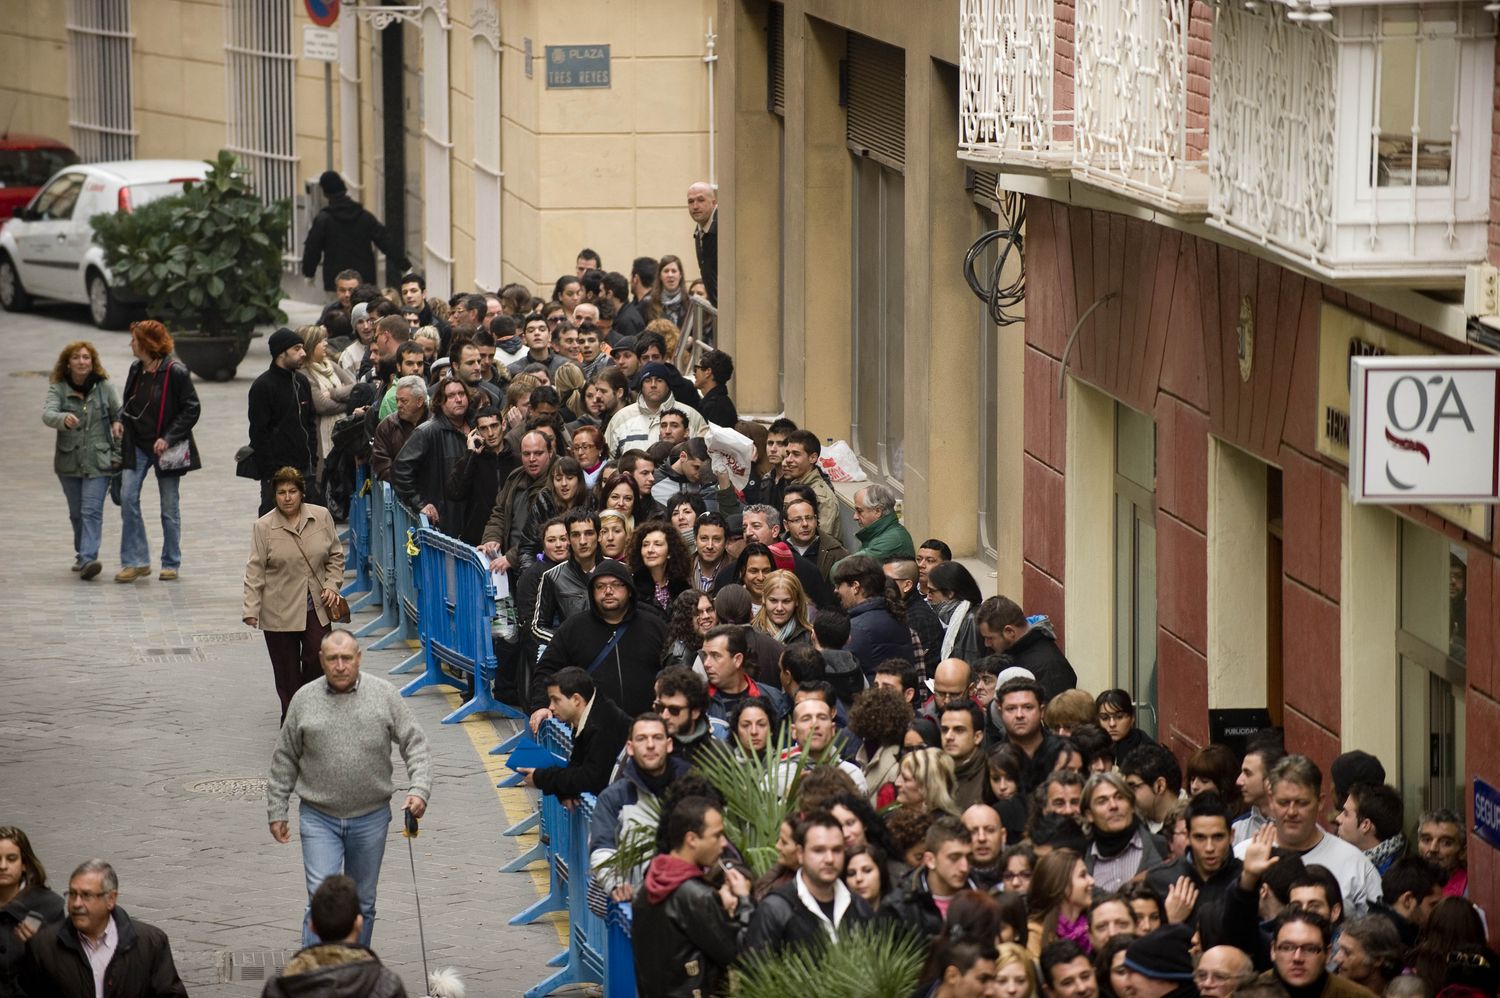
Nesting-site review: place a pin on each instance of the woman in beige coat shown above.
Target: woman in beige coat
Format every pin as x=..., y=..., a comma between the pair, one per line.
x=294, y=574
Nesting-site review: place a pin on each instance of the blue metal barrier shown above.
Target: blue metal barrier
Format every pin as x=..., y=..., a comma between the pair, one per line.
x=456, y=593
x=359, y=533
x=382, y=562
x=619, y=952
x=404, y=527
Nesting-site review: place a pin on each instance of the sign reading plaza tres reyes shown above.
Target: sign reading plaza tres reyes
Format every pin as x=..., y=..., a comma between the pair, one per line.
x=1424, y=429
x=578, y=67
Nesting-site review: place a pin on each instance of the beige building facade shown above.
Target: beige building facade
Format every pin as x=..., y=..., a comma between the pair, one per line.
x=511, y=162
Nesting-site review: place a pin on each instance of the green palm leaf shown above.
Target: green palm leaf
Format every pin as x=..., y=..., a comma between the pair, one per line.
x=877, y=960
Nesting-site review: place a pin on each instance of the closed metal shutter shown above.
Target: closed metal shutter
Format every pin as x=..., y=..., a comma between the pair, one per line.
x=776, y=59
x=982, y=184
x=877, y=101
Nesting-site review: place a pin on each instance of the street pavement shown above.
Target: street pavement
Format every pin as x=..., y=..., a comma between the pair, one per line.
x=141, y=720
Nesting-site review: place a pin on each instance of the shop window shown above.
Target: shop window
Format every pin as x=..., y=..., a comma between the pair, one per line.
x=878, y=314
x=1430, y=641
x=1135, y=562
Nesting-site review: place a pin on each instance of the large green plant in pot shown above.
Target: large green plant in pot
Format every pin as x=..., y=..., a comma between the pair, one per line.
x=207, y=262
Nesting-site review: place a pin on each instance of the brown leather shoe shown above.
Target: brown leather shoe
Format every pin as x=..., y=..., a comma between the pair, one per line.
x=168, y=575
x=129, y=574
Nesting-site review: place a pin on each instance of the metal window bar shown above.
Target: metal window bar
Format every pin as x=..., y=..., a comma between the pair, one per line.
x=488, y=254
x=262, y=74
x=101, y=87
x=697, y=333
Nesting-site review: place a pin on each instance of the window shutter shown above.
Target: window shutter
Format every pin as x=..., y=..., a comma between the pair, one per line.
x=982, y=184
x=776, y=59
x=877, y=101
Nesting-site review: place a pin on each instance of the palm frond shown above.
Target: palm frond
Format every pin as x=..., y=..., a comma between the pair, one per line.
x=878, y=960
x=758, y=790
x=634, y=846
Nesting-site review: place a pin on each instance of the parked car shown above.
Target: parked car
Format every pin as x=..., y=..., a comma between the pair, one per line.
x=47, y=249
x=26, y=161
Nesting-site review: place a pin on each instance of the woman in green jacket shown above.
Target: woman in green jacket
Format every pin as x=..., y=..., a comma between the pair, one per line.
x=84, y=409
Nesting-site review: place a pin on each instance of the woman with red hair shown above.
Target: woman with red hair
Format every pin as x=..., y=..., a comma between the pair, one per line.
x=159, y=413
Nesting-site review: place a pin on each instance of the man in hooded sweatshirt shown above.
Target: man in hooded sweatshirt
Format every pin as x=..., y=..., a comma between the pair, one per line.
x=614, y=643
x=341, y=235
x=337, y=966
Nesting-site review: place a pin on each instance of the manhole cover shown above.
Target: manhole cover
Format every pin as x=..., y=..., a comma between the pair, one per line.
x=251, y=964
x=167, y=655
x=237, y=788
x=222, y=637
x=31, y=374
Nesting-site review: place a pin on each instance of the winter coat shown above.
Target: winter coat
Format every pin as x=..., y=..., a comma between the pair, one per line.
x=636, y=427
x=885, y=538
x=278, y=583
x=475, y=480
x=645, y=592
x=283, y=424
x=623, y=805
x=391, y=434
x=544, y=506
x=175, y=420
x=876, y=635
x=718, y=408
x=502, y=527
x=966, y=637
x=341, y=235
x=562, y=594
x=828, y=505
x=335, y=970
x=826, y=550
x=706, y=245
x=1037, y=651
x=627, y=675
x=719, y=705
x=596, y=747
x=330, y=393
x=44, y=902
x=527, y=589
x=1161, y=877
x=783, y=918
x=912, y=906
x=693, y=941
x=924, y=623
x=420, y=472
x=89, y=449
x=57, y=966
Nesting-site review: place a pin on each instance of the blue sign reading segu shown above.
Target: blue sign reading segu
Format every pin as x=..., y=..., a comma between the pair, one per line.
x=577, y=67
x=1487, y=812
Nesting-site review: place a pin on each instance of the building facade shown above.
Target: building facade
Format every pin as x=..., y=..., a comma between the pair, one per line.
x=1217, y=206
x=523, y=131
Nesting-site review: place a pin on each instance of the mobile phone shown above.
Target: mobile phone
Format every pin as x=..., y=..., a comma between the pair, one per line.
x=33, y=920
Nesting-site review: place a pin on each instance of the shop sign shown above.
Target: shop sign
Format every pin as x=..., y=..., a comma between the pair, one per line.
x=1425, y=429
x=577, y=67
x=1343, y=336
x=1486, y=812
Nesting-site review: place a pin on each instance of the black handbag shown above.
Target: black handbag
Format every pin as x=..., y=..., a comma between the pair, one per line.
x=244, y=463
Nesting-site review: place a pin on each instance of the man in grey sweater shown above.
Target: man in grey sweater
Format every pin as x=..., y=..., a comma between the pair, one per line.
x=335, y=751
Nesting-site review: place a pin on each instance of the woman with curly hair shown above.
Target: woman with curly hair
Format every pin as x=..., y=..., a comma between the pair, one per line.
x=925, y=782
x=783, y=609
x=565, y=491
x=661, y=564
x=159, y=411
x=879, y=716
x=692, y=617
x=84, y=409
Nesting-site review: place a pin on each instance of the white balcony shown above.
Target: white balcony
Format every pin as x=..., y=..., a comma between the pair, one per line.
x=1355, y=140
x=1006, y=101
x=1132, y=94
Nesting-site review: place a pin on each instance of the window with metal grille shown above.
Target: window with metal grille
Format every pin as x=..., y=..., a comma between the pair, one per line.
x=879, y=309
x=259, y=62
x=877, y=101
x=101, y=87
x=776, y=59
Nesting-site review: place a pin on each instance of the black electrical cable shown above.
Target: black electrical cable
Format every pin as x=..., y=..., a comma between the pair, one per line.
x=1001, y=300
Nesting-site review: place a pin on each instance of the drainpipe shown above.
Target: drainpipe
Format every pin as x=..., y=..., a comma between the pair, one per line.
x=710, y=57
x=393, y=136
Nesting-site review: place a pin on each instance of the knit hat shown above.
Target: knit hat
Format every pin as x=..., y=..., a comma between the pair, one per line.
x=1014, y=672
x=283, y=340
x=656, y=370
x=734, y=525
x=625, y=344
x=360, y=312
x=1163, y=955
x=332, y=183
x=1351, y=768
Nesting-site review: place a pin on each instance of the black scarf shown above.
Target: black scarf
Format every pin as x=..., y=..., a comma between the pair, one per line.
x=89, y=382
x=1111, y=844
x=656, y=784
x=1313, y=990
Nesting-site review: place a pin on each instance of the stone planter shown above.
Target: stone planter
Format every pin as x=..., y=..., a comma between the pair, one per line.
x=212, y=358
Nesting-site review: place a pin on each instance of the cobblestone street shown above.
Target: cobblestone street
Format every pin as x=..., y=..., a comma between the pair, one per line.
x=141, y=720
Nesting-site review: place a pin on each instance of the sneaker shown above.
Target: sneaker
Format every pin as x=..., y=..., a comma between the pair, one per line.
x=129, y=574
x=90, y=570
x=167, y=574
x=77, y=566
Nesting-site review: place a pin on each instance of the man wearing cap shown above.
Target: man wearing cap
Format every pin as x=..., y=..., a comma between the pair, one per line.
x=1160, y=964
x=283, y=424
x=638, y=426
x=622, y=352
x=341, y=235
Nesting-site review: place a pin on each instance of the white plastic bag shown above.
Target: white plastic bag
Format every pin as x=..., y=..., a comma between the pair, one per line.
x=731, y=453
x=839, y=462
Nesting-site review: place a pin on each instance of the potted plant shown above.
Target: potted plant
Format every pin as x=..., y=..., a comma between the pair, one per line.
x=207, y=262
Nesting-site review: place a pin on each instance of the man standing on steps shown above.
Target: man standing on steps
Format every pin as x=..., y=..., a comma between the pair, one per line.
x=341, y=235
x=283, y=424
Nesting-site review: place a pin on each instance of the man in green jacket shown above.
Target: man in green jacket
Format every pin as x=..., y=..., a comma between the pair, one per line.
x=880, y=534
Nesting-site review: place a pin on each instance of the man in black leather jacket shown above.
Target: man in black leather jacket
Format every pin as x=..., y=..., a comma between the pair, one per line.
x=695, y=930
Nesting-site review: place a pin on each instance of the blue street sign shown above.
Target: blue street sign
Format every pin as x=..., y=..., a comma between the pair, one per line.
x=1487, y=812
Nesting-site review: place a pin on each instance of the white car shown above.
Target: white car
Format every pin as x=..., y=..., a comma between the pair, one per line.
x=48, y=251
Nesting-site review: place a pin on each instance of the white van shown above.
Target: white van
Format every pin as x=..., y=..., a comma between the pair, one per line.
x=47, y=250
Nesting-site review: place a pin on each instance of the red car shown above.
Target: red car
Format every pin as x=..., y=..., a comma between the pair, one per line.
x=26, y=163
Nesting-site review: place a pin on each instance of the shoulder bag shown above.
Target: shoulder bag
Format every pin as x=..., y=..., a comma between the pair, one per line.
x=179, y=456
x=339, y=612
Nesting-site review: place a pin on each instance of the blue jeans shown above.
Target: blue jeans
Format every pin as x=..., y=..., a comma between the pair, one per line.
x=135, y=552
x=354, y=847
x=86, y=511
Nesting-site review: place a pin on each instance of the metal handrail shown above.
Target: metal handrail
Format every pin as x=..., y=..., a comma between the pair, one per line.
x=698, y=332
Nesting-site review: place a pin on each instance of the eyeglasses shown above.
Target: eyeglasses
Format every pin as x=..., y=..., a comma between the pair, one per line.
x=1468, y=960
x=667, y=708
x=1306, y=949
x=603, y=584
x=86, y=895
x=1010, y=875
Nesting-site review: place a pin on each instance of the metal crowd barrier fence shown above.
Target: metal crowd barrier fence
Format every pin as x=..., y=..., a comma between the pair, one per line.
x=359, y=534
x=382, y=560
x=404, y=527
x=599, y=951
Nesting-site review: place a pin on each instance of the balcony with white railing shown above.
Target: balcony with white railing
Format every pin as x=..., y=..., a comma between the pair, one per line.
x=1134, y=133
x=1008, y=112
x=1354, y=139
